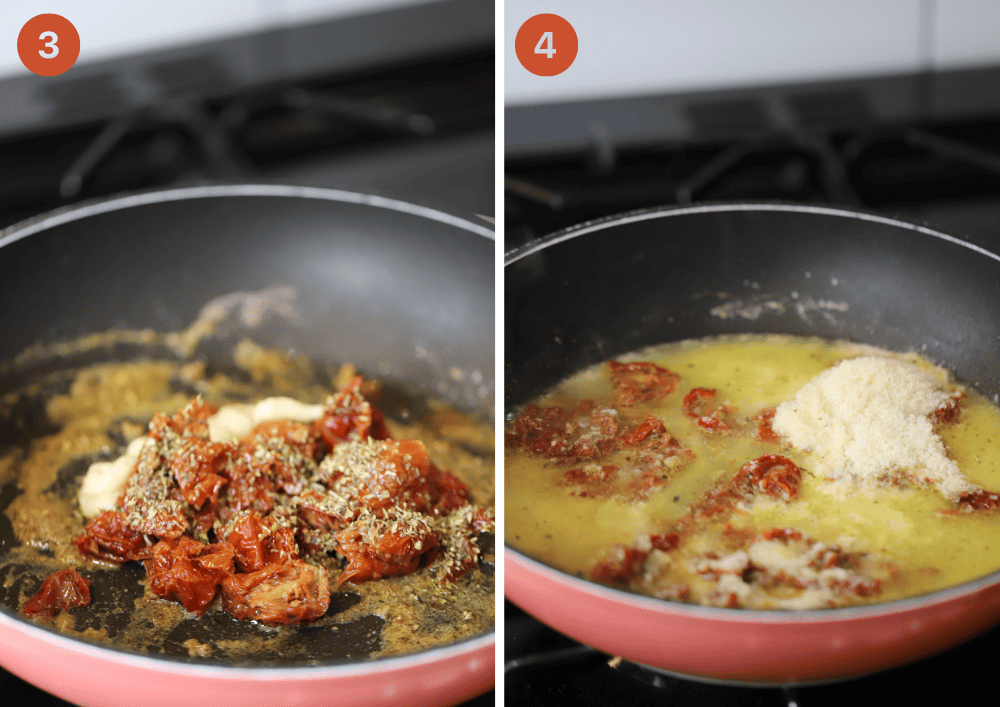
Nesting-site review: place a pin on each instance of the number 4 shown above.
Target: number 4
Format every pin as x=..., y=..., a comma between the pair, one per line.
x=544, y=45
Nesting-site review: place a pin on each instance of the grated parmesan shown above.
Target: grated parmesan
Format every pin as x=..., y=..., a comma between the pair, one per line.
x=867, y=421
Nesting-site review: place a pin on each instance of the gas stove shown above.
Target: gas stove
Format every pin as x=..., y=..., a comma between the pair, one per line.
x=413, y=122
x=544, y=668
x=418, y=128
x=898, y=147
x=895, y=146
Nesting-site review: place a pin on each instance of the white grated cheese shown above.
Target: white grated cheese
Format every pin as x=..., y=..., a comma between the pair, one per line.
x=868, y=418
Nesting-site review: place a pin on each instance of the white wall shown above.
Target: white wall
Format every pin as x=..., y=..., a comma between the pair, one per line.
x=637, y=47
x=966, y=33
x=110, y=28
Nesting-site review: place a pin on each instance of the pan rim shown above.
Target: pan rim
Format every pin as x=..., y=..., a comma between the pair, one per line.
x=580, y=229
x=127, y=200
x=756, y=617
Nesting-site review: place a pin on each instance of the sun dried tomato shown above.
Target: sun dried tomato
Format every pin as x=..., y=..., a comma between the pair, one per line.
x=384, y=547
x=402, y=475
x=979, y=500
x=638, y=382
x=302, y=438
x=590, y=475
x=647, y=481
x=566, y=435
x=710, y=421
x=188, y=571
x=248, y=489
x=362, y=568
x=666, y=543
x=198, y=466
x=260, y=542
x=377, y=476
x=108, y=537
x=447, y=491
x=642, y=431
x=325, y=511
x=624, y=564
x=168, y=522
x=785, y=534
x=459, y=551
x=273, y=466
x=60, y=591
x=348, y=416
x=292, y=592
x=765, y=433
x=189, y=421
x=204, y=521
x=950, y=410
x=772, y=474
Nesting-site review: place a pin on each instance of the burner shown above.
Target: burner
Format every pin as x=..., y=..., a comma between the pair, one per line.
x=259, y=133
x=896, y=168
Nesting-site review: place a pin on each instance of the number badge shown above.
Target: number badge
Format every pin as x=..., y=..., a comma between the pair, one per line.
x=48, y=45
x=546, y=45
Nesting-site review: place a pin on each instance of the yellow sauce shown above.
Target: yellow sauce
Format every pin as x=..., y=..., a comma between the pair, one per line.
x=904, y=527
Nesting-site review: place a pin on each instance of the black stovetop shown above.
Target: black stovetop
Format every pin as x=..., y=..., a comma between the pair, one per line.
x=545, y=668
x=420, y=132
x=944, y=173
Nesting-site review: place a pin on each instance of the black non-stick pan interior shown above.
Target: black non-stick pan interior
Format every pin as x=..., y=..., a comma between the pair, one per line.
x=598, y=290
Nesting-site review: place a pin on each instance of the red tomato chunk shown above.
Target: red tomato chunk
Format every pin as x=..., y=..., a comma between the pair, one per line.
x=60, y=591
x=234, y=520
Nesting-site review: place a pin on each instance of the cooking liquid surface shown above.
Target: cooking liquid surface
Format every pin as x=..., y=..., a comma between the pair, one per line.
x=92, y=413
x=911, y=545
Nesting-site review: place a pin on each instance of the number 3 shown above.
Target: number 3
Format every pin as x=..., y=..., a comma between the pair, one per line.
x=544, y=45
x=51, y=44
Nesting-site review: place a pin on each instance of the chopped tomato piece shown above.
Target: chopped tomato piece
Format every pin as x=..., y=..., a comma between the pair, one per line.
x=108, y=537
x=772, y=474
x=448, y=492
x=377, y=547
x=189, y=421
x=258, y=543
x=640, y=381
x=765, y=432
x=950, y=410
x=60, y=591
x=292, y=592
x=377, y=475
x=623, y=564
x=711, y=421
x=348, y=416
x=188, y=571
x=198, y=467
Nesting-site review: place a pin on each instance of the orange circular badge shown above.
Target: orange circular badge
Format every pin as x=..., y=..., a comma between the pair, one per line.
x=546, y=45
x=48, y=45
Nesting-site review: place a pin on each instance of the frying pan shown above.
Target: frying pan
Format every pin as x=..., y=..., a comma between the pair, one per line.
x=600, y=289
x=404, y=292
